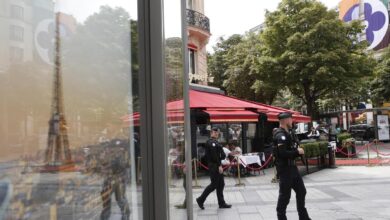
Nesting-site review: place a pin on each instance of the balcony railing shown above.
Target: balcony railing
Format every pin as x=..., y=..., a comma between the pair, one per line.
x=198, y=20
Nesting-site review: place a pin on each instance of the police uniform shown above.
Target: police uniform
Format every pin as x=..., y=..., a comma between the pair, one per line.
x=214, y=155
x=115, y=168
x=289, y=177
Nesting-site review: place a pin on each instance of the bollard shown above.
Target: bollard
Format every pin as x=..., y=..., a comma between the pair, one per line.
x=196, y=175
x=238, y=173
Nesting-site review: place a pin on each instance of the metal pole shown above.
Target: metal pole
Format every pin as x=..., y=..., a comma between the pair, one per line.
x=196, y=175
x=170, y=176
x=139, y=170
x=187, y=114
x=376, y=147
x=368, y=156
x=238, y=173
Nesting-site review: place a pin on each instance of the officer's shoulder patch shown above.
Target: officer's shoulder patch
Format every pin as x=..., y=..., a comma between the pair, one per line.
x=283, y=137
x=213, y=144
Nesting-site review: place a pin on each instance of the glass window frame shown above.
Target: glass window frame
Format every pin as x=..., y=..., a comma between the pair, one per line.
x=17, y=12
x=192, y=61
x=16, y=33
x=153, y=109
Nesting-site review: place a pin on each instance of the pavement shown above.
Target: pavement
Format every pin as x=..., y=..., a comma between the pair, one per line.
x=346, y=192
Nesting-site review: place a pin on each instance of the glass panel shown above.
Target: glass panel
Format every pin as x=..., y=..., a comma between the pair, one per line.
x=235, y=134
x=223, y=133
x=68, y=96
x=175, y=112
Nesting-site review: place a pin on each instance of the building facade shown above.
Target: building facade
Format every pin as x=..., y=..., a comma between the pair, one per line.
x=198, y=30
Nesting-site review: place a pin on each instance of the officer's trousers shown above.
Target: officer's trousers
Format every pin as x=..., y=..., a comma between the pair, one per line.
x=118, y=187
x=218, y=183
x=291, y=179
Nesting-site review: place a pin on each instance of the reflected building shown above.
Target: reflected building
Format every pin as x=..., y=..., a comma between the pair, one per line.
x=18, y=20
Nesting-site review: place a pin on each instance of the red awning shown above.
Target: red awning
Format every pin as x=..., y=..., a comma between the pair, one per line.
x=173, y=117
x=232, y=116
x=273, y=116
x=212, y=101
x=222, y=108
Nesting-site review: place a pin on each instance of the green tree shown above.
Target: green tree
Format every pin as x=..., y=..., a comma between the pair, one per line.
x=242, y=75
x=174, y=68
x=380, y=86
x=99, y=62
x=311, y=51
x=217, y=63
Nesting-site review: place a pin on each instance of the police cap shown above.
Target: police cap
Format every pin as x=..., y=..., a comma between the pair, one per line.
x=284, y=115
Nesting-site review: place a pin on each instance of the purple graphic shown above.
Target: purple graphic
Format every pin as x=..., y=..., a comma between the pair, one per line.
x=375, y=21
x=349, y=16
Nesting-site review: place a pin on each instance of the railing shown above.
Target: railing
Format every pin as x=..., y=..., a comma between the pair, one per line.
x=198, y=20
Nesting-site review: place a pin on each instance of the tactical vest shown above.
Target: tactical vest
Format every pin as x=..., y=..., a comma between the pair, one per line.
x=289, y=145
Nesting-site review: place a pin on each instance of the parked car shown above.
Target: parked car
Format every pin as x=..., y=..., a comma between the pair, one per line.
x=362, y=132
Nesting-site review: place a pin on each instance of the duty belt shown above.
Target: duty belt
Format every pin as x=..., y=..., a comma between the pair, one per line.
x=291, y=162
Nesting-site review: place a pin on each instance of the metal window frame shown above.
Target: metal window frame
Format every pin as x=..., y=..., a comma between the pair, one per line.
x=153, y=110
x=187, y=115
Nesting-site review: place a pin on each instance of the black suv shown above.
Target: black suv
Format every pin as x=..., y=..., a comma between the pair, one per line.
x=362, y=132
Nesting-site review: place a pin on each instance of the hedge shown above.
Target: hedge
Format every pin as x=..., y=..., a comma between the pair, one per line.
x=343, y=136
x=315, y=149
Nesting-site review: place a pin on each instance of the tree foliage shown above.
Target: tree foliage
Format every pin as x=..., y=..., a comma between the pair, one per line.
x=380, y=86
x=217, y=62
x=97, y=69
x=311, y=51
x=174, y=68
x=242, y=75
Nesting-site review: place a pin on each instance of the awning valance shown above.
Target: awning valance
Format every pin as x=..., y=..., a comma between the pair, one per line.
x=232, y=116
x=273, y=117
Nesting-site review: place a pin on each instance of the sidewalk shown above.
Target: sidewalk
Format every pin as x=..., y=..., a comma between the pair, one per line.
x=342, y=193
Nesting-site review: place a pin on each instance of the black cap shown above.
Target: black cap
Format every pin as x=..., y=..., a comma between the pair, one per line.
x=215, y=129
x=284, y=115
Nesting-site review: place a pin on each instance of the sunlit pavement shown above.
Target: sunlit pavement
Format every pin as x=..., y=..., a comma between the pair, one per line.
x=346, y=192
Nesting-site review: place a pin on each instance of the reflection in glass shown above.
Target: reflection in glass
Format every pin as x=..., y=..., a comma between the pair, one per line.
x=174, y=70
x=73, y=60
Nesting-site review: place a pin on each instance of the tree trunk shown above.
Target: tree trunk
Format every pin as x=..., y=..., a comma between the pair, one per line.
x=312, y=109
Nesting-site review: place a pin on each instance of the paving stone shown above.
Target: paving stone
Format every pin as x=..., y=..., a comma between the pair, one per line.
x=338, y=194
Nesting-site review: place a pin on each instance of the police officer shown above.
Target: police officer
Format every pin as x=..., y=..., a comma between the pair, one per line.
x=289, y=178
x=115, y=166
x=214, y=155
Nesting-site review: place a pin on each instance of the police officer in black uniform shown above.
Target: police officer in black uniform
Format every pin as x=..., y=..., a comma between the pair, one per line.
x=285, y=154
x=214, y=155
x=115, y=166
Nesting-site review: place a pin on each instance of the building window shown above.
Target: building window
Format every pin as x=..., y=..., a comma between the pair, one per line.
x=192, y=61
x=16, y=33
x=17, y=12
x=16, y=54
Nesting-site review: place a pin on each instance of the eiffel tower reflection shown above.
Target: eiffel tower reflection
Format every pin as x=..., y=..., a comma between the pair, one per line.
x=58, y=156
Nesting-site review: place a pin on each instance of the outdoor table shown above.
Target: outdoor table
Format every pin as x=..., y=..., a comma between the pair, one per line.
x=249, y=159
